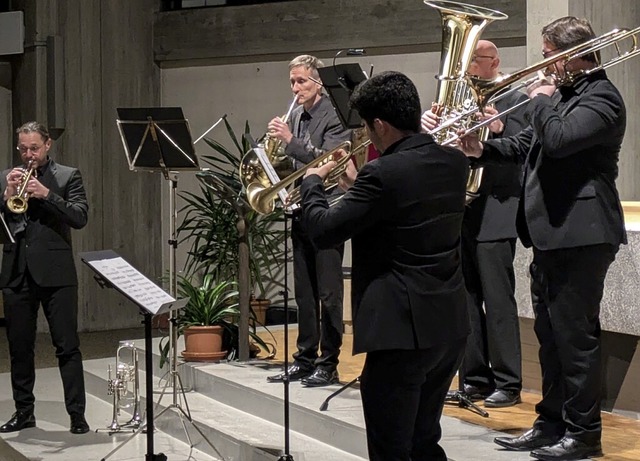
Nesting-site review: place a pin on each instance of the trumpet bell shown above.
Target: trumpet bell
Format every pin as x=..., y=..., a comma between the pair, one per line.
x=17, y=204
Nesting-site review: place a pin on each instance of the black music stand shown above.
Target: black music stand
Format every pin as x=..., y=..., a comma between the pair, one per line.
x=114, y=272
x=340, y=81
x=159, y=139
x=5, y=234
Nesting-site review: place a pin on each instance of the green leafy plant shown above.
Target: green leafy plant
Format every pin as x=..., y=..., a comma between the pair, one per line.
x=210, y=303
x=210, y=224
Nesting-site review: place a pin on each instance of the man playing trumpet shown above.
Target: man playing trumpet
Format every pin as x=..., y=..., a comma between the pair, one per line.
x=313, y=128
x=39, y=269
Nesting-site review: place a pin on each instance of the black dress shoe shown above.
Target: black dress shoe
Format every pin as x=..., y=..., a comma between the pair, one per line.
x=20, y=420
x=477, y=393
x=530, y=440
x=78, y=425
x=568, y=448
x=502, y=398
x=296, y=373
x=321, y=378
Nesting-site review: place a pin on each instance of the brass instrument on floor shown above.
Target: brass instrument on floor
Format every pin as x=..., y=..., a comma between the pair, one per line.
x=18, y=203
x=125, y=388
x=462, y=25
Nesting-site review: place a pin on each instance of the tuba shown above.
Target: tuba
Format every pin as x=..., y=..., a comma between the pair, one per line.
x=18, y=203
x=462, y=25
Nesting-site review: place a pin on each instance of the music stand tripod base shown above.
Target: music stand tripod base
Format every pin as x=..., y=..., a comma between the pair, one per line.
x=464, y=401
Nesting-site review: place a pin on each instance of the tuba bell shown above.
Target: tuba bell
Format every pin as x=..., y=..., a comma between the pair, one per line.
x=462, y=25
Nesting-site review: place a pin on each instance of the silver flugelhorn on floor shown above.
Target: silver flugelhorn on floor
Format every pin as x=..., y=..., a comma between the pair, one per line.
x=125, y=389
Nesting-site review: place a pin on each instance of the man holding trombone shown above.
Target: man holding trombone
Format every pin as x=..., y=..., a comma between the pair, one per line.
x=570, y=214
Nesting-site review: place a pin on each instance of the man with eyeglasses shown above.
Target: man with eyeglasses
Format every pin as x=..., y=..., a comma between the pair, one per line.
x=492, y=365
x=38, y=269
x=570, y=214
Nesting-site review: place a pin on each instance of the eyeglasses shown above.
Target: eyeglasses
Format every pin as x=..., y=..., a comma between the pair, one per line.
x=475, y=57
x=547, y=53
x=25, y=149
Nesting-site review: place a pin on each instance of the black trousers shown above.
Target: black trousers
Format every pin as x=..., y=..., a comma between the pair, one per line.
x=566, y=290
x=493, y=358
x=60, y=306
x=403, y=393
x=319, y=289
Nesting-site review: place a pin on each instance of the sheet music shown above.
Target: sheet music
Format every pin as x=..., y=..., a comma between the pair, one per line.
x=271, y=172
x=132, y=282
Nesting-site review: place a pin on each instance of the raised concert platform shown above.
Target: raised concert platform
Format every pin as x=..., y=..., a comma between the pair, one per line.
x=242, y=415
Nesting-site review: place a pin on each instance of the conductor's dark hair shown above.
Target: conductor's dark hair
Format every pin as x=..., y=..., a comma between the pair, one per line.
x=389, y=96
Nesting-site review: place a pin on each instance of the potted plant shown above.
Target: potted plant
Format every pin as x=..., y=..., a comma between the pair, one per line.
x=210, y=226
x=212, y=308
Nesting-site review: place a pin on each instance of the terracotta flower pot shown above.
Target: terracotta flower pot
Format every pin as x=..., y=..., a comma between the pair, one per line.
x=203, y=343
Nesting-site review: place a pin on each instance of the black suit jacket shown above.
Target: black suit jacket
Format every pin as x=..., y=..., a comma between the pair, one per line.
x=492, y=216
x=44, y=246
x=570, y=155
x=404, y=214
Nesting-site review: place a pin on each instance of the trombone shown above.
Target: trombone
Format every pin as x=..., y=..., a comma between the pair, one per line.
x=487, y=92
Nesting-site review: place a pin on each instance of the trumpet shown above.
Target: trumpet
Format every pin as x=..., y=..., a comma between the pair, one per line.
x=262, y=198
x=359, y=154
x=18, y=203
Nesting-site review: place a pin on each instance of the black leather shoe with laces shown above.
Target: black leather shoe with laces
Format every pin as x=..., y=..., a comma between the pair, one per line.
x=568, y=448
x=530, y=440
x=321, y=378
x=296, y=373
x=20, y=420
x=79, y=425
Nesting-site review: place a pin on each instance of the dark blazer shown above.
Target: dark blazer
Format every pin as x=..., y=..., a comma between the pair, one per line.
x=403, y=214
x=570, y=155
x=44, y=247
x=324, y=132
x=492, y=216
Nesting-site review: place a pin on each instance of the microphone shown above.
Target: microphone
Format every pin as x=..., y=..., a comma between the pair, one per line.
x=356, y=52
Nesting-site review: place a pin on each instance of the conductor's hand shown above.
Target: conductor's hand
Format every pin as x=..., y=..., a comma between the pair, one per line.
x=496, y=126
x=322, y=171
x=429, y=120
x=280, y=130
x=470, y=144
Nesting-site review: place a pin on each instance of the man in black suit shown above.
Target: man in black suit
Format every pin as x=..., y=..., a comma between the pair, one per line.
x=492, y=365
x=403, y=213
x=313, y=129
x=570, y=214
x=39, y=269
